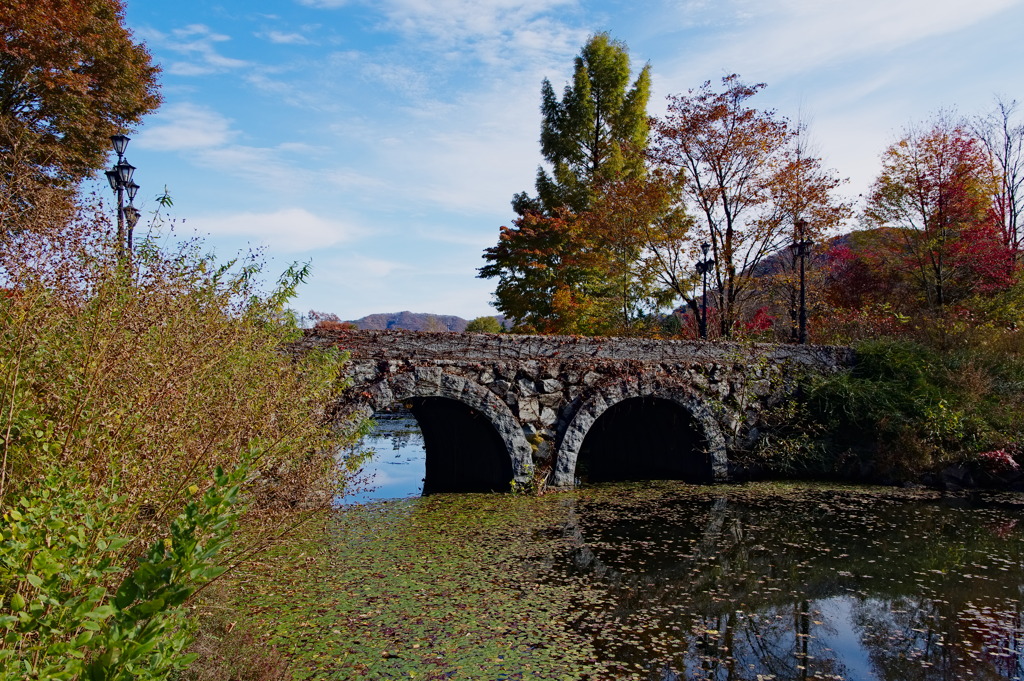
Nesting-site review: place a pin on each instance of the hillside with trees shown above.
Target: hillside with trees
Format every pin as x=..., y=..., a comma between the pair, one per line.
x=409, y=321
x=412, y=321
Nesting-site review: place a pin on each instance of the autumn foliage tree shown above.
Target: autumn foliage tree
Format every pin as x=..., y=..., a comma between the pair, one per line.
x=936, y=193
x=552, y=276
x=639, y=228
x=746, y=179
x=547, y=274
x=70, y=77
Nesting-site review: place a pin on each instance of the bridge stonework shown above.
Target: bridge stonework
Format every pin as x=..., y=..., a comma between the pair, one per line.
x=544, y=394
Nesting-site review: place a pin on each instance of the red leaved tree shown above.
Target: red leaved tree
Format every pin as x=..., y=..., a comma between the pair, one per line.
x=936, y=195
x=747, y=179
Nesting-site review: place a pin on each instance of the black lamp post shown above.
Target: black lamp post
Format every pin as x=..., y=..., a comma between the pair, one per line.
x=120, y=179
x=703, y=268
x=801, y=247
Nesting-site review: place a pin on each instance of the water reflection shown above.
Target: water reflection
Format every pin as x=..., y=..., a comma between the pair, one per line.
x=879, y=586
x=398, y=463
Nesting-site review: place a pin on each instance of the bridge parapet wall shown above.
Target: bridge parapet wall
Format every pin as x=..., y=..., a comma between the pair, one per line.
x=427, y=346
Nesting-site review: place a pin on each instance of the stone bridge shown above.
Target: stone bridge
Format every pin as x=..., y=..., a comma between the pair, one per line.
x=498, y=407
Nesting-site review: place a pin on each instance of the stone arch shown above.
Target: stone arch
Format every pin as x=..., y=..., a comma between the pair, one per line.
x=600, y=400
x=433, y=382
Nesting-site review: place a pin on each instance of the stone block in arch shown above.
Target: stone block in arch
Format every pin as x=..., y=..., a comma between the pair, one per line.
x=600, y=400
x=434, y=383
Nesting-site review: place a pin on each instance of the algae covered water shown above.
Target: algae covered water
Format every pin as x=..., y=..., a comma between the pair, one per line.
x=654, y=581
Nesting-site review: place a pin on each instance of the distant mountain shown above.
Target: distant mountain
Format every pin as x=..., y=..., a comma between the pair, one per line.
x=782, y=259
x=412, y=321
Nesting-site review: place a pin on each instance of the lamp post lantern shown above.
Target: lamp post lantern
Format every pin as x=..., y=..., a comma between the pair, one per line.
x=703, y=268
x=120, y=179
x=801, y=247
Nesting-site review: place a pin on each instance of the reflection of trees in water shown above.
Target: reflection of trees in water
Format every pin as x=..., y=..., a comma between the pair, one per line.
x=692, y=606
x=734, y=589
x=784, y=642
x=920, y=638
x=399, y=428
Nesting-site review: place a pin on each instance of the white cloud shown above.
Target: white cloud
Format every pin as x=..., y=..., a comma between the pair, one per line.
x=260, y=165
x=471, y=156
x=207, y=137
x=196, y=42
x=353, y=180
x=324, y=4
x=403, y=80
x=185, y=126
x=364, y=266
x=456, y=19
x=783, y=37
x=188, y=69
x=283, y=38
x=493, y=31
x=289, y=230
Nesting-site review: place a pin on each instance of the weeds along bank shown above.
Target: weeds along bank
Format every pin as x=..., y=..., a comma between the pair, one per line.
x=144, y=415
x=916, y=408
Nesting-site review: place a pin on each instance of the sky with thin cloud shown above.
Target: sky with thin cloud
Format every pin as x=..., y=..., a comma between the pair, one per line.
x=382, y=140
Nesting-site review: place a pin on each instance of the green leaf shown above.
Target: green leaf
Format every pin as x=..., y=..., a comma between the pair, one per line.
x=150, y=607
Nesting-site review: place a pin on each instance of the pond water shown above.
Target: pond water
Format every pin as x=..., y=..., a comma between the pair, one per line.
x=658, y=581
x=397, y=465
x=811, y=584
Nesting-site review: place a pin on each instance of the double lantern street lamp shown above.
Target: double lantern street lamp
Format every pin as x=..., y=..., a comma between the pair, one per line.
x=801, y=248
x=120, y=178
x=703, y=268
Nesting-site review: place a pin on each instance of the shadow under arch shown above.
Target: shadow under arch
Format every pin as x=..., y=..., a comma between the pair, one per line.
x=643, y=425
x=464, y=451
x=473, y=442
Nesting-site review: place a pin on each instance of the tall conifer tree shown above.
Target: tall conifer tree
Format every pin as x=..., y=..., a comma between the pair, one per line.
x=596, y=132
x=551, y=272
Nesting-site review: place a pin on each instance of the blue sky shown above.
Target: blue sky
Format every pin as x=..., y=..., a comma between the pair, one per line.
x=382, y=140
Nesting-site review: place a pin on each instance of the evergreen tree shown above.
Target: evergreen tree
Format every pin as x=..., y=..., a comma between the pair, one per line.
x=551, y=268
x=596, y=132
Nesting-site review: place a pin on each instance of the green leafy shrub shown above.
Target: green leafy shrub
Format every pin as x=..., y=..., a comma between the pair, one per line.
x=59, y=619
x=789, y=443
x=908, y=408
x=152, y=381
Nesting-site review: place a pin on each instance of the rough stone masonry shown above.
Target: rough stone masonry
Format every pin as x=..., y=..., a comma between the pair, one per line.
x=544, y=394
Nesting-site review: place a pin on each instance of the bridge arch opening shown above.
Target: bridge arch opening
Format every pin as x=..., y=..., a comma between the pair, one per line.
x=645, y=438
x=464, y=451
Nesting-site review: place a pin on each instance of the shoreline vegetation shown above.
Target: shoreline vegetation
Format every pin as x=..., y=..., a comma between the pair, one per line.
x=147, y=412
